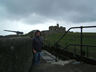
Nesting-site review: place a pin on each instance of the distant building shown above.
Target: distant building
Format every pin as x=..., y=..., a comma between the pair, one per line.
x=54, y=29
x=57, y=28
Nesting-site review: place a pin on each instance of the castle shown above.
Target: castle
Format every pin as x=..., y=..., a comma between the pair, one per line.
x=54, y=29
x=57, y=28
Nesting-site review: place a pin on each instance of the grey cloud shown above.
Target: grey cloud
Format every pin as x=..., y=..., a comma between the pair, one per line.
x=69, y=10
x=35, y=19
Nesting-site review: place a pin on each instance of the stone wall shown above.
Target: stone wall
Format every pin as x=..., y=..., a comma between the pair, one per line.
x=15, y=54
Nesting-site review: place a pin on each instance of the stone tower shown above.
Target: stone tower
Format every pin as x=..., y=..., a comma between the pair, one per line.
x=57, y=25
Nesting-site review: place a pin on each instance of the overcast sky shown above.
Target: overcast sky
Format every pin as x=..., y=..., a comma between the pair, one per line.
x=27, y=15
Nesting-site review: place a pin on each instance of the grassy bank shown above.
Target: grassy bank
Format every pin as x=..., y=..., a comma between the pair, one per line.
x=74, y=38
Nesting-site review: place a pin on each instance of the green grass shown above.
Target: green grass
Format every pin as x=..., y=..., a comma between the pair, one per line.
x=73, y=38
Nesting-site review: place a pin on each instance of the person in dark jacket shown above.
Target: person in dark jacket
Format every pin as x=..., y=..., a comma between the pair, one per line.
x=37, y=44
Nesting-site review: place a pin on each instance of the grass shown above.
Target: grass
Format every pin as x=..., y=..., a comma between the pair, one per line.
x=73, y=38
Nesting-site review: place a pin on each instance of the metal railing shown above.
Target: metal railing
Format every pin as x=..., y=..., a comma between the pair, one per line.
x=81, y=38
x=85, y=50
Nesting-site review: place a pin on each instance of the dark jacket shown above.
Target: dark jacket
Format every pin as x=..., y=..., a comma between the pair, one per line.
x=37, y=43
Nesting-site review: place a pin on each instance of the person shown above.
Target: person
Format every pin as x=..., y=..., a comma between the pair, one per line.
x=37, y=44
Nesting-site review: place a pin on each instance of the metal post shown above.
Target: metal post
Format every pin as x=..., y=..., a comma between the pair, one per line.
x=81, y=42
x=87, y=52
x=75, y=50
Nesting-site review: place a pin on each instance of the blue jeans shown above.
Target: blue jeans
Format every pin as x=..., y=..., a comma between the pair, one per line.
x=36, y=58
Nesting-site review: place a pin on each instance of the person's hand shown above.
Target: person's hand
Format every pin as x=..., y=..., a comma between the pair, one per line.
x=34, y=51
